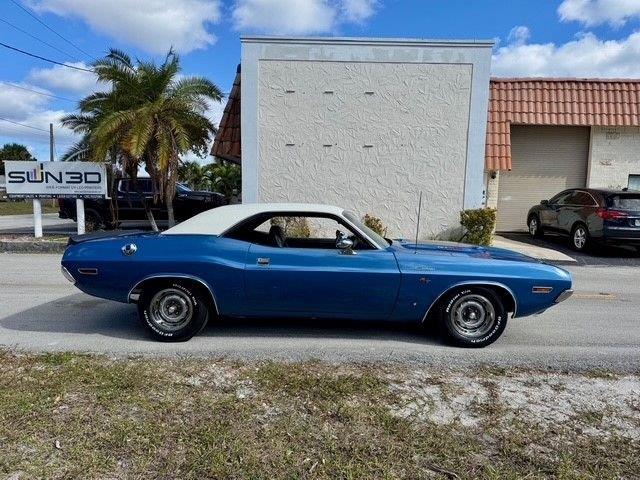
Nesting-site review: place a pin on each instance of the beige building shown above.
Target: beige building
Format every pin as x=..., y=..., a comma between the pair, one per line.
x=366, y=124
x=545, y=135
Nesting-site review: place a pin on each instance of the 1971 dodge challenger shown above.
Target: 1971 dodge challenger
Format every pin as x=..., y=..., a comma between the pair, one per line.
x=313, y=261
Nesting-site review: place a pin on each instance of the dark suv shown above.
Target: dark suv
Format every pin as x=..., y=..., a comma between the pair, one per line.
x=130, y=206
x=589, y=216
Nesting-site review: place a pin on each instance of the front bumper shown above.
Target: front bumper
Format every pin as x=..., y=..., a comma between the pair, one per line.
x=564, y=295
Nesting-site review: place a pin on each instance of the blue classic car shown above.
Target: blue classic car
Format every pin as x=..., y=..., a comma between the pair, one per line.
x=317, y=261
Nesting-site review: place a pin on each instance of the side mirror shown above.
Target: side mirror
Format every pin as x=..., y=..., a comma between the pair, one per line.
x=345, y=245
x=544, y=202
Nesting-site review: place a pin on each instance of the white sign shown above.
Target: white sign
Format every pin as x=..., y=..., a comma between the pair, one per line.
x=55, y=179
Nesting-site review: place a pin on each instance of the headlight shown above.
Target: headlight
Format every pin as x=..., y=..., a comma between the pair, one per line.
x=67, y=274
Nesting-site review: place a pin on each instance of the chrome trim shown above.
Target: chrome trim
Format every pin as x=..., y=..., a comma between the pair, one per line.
x=67, y=274
x=541, y=290
x=476, y=284
x=129, y=249
x=564, y=295
x=130, y=296
x=88, y=271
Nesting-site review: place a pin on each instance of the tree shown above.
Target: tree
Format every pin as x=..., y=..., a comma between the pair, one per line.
x=149, y=118
x=225, y=178
x=14, y=151
x=194, y=175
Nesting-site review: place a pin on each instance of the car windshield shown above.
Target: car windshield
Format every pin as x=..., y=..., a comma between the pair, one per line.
x=625, y=201
x=181, y=187
x=377, y=239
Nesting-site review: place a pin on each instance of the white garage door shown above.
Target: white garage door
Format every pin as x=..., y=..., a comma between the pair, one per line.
x=545, y=161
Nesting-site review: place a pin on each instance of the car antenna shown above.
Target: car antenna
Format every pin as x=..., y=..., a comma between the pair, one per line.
x=418, y=223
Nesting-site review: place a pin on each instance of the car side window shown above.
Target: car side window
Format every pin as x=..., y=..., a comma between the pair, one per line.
x=298, y=231
x=562, y=199
x=583, y=199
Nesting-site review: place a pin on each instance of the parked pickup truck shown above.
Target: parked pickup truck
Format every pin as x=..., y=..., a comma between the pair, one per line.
x=186, y=204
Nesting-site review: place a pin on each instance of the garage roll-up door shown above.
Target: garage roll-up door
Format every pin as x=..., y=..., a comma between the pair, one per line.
x=546, y=160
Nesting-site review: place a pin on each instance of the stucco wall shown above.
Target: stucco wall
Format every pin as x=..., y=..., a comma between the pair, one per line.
x=366, y=124
x=614, y=155
x=368, y=136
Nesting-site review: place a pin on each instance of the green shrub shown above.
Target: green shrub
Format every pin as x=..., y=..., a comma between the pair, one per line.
x=479, y=225
x=294, y=227
x=375, y=224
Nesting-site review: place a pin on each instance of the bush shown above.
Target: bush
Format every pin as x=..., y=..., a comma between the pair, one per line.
x=375, y=224
x=294, y=227
x=479, y=225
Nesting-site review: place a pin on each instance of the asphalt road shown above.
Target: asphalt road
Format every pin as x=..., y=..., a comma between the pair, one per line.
x=598, y=328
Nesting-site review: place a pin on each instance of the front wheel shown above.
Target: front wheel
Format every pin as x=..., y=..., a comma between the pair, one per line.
x=535, y=229
x=173, y=311
x=580, y=239
x=472, y=317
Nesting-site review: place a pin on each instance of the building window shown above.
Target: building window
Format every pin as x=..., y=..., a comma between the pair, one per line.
x=634, y=182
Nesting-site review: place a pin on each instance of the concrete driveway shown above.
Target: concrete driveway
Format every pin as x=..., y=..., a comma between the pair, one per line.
x=598, y=256
x=598, y=328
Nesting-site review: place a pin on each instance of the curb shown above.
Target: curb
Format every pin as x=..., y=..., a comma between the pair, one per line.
x=32, y=247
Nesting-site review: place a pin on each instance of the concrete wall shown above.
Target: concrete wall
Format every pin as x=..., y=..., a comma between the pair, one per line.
x=614, y=155
x=366, y=124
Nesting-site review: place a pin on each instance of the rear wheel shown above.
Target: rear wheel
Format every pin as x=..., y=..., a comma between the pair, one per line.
x=173, y=311
x=535, y=230
x=472, y=317
x=579, y=239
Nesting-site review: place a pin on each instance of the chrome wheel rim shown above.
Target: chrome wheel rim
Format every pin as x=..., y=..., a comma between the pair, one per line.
x=171, y=309
x=580, y=238
x=533, y=226
x=473, y=315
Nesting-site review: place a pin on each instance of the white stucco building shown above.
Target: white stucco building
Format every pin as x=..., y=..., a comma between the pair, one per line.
x=362, y=123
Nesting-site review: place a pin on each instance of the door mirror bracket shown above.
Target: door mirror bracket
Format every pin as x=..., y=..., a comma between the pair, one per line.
x=544, y=202
x=345, y=245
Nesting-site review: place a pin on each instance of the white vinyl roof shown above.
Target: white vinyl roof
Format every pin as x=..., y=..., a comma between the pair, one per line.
x=219, y=220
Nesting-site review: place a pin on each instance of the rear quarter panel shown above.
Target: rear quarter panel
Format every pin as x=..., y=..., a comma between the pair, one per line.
x=217, y=261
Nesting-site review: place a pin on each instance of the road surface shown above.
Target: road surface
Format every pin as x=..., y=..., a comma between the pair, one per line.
x=598, y=328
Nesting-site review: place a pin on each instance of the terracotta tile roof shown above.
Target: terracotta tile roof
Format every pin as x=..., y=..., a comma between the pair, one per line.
x=555, y=101
x=226, y=145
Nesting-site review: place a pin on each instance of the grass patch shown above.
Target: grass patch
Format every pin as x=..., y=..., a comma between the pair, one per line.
x=68, y=416
x=26, y=207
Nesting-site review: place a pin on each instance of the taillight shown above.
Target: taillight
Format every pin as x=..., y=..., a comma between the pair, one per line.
x=607, y=214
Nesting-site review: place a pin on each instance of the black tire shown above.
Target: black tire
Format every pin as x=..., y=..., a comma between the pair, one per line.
x=580, y=240
x=458, y=317
x=186, y=303
x=535, y=229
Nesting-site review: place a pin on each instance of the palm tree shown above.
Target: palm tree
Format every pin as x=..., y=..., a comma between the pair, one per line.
x=194, y=175
x=225, y=178
x=149, y=117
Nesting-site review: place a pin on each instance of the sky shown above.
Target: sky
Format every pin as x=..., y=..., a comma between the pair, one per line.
x=568, y=38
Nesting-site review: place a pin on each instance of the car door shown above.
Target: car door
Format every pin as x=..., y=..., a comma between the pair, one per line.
x=577, y=207
x=549, y=215
x=321, y=282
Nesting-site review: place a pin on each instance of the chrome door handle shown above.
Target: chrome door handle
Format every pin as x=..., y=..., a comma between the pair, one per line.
x=264, y=261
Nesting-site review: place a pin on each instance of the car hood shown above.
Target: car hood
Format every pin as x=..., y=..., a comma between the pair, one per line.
x=453, y=248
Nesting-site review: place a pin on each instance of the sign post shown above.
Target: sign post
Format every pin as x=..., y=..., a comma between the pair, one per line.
x=37, y=218
x=80, y=215
x=79, y=180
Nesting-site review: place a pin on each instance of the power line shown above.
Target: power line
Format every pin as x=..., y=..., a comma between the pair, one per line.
x=39, y=93
x=24, y=125
x=44, y=58
x=36, y=38
x=51, y=29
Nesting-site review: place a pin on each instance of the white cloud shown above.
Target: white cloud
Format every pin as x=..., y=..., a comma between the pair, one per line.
x=29, y=108
x=66, y=79
x=152, y=25
x=519, y=35
x=299, y=17
x=597, y=12
x=357, y=11
x=585, y=56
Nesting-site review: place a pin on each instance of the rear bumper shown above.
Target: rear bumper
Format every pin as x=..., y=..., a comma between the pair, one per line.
x=621, y=235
